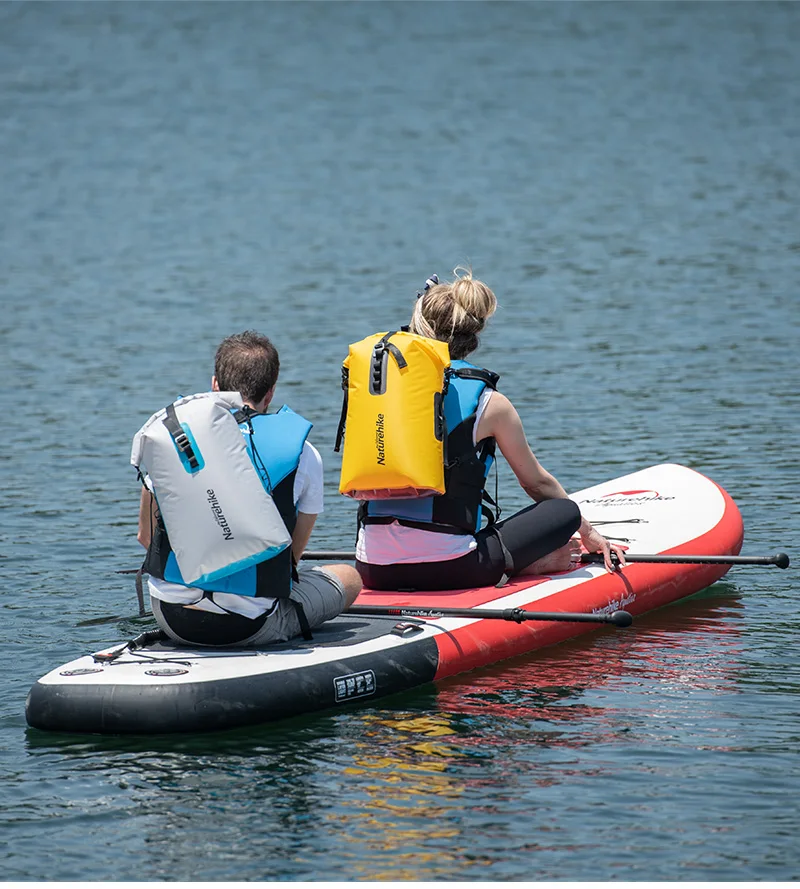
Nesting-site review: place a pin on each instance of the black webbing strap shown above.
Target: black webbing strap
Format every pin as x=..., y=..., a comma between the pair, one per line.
x=377, y=366
x=244, y=414
x=486, y=497
x=140, y=591
x=509, y=561
x=305, y=626
x=392, y=349
x=180, y=438
x=343, y=415
x=489, y=377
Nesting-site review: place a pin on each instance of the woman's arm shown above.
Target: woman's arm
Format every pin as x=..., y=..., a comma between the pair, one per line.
x=501, y=421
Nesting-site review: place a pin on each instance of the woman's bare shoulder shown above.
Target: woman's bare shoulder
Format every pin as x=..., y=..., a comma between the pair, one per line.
x=498, y=415
x=500, y=406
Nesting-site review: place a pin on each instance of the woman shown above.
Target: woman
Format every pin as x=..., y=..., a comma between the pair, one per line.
x=401, y=546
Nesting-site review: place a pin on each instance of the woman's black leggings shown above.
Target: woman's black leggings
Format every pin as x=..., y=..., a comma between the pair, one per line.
x=527, y=535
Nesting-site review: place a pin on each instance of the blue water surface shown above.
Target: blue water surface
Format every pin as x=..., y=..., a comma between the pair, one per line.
x=625, y=177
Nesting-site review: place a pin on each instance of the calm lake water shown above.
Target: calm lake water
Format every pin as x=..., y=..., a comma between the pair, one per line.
x=626, y=177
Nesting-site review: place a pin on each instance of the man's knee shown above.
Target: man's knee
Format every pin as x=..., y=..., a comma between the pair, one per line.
x=350, y=580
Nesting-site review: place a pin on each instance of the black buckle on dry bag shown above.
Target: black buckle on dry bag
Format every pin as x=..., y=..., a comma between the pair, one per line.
x=180, y=438
x=379, y=362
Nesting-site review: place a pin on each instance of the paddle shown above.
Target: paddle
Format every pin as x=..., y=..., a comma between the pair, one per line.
x=779, y=559
x=617, y=618
x=517, y=615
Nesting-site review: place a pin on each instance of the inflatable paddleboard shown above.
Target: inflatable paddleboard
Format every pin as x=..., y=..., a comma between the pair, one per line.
x=161, y=687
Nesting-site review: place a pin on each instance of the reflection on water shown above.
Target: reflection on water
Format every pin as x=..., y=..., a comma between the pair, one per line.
x=669, y=647
x=408, y=797
x=379, y=791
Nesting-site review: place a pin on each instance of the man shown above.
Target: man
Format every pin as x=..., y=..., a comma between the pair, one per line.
x=272, y=606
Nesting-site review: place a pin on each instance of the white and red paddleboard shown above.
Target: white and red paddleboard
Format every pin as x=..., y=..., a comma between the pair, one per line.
x=160, y=687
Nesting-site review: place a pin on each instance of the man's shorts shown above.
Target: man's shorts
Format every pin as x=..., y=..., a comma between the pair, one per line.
x=320, y=592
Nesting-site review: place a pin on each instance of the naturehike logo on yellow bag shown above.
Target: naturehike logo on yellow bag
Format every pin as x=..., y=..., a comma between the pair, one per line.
x=380, y=440
x=393, y=412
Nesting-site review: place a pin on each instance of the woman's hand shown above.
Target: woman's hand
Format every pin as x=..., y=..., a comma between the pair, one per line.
x=594, y=542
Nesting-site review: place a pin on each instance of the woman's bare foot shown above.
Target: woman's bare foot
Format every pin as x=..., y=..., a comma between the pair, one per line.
x=562, y=559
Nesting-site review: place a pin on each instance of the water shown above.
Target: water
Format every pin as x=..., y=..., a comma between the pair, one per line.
x=626, y=178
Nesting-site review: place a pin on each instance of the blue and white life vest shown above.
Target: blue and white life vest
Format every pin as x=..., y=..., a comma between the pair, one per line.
x=274, y=443
x=460, y=509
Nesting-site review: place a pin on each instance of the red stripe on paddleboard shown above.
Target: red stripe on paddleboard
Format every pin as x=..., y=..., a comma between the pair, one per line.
x=446, y=598
x=641, y=587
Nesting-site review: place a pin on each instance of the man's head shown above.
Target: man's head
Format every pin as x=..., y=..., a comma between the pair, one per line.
x=247, y=363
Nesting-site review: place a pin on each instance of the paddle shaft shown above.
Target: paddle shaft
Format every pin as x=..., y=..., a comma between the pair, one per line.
x=517, y=615
x=779, y=559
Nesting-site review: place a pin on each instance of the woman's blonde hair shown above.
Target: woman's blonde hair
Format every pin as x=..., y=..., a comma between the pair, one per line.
x=454, y=313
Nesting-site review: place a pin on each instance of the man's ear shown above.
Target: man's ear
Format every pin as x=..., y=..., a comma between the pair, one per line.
x=214, y=384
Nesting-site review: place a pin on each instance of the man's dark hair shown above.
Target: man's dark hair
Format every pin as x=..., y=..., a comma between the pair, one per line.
x=247, y=363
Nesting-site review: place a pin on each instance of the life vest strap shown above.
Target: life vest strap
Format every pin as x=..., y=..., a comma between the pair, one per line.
x=246, y=413
x=489, y=377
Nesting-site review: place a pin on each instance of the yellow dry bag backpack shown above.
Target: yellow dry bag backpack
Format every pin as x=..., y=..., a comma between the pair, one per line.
x=393, y=413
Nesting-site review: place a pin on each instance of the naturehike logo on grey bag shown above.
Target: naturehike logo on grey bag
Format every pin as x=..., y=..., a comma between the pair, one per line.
x=219, y=516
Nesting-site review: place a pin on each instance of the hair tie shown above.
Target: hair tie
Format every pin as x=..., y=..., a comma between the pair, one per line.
x=430, y=282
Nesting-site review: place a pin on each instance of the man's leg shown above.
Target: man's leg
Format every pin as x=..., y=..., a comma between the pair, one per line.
x=323, y=592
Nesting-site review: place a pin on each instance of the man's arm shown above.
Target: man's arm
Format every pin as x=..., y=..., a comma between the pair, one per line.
x=147, y=517
x=302, y=531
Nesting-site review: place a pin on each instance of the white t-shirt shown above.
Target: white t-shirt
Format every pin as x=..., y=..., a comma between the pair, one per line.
x=308, y=498
x=396, y=544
